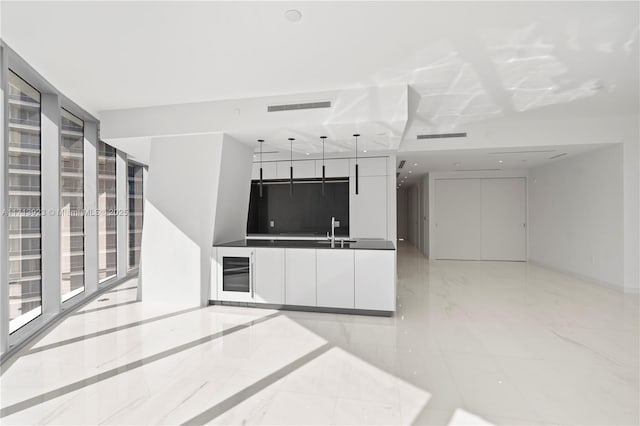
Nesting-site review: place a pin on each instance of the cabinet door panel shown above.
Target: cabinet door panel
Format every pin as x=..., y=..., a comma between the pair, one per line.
x=503, y=219
x=301, y=169
x=338, y=167
x=375, y=280
x=368, y=209
x=268, y=170
x=369, y=166
x=269, y=274
x=457, y=221
x=335, y=278
x=300, y=277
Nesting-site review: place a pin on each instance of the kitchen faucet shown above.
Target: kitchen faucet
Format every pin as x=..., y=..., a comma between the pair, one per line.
x=332, y=238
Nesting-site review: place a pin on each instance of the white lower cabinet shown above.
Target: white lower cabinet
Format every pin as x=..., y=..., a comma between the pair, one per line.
x=335, y=278
x=269, y=276
x=326, y=278
x=300, y=277
x=375, y=280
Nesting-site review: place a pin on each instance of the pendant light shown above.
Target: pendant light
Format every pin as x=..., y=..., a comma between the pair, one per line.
x=323, y=140
x=260, y=141
x=356, y=136
x=291, y=168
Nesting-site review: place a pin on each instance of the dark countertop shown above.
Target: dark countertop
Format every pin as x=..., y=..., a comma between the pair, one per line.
x=361, y=244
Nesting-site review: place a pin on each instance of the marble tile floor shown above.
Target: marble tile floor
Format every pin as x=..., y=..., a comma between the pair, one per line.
x=472, y=343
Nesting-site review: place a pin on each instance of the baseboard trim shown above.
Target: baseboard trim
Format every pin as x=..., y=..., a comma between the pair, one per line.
x=606, y=284
x=347, y=311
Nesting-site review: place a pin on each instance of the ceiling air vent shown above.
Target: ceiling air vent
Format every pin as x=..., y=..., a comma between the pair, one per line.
x=476, y=170
x=293, y=107
x=443, y=135
x=520, y=152
x=402, y=164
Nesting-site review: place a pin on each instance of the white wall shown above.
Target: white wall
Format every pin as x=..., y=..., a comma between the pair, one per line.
x=402, y=214
x=631, y=184
x=576, y=219
x=413, y=202
x=185, y=202
x=424, y=182
x=234, y=186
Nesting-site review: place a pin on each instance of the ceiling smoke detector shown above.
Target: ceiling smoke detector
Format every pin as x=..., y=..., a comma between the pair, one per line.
x=293, y=15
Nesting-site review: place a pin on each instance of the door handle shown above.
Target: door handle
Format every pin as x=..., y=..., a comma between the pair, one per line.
x=253, y=281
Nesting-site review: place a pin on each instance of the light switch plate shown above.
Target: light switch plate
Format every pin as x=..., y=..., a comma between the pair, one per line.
x=272, y=223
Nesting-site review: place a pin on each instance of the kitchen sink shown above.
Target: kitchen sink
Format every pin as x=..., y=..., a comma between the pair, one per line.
x=338, y=242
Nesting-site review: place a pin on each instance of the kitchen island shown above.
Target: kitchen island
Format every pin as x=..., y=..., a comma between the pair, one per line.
x=349, y=276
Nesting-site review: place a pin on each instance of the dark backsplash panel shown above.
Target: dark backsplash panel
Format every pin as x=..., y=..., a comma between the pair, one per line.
x=306, y=212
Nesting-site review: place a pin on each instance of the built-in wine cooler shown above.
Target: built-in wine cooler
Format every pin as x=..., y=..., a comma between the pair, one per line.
x=236, y=276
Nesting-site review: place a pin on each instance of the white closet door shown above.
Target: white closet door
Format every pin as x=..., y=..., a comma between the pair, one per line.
x=503, y=219
x=457, y=221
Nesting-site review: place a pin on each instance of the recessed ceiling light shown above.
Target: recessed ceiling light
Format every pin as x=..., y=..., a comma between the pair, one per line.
x=410, y=171
x=293, y=15
x=364, y=150
x=500, y=161
x=307, y=153
x=415, y=164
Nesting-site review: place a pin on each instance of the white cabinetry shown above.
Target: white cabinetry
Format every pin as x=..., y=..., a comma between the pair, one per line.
x=301, y=169
x=335, y=278
x=368, y=209
x=375, y=280
x=369, y=167
x=268, y=170
x=338, y=167
x=269, y=276
x=300, y=277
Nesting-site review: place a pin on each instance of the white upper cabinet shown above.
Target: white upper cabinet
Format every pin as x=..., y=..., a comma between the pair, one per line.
x=369, y=167
x=268, y=170
x=368, y=209
x=338, y=167
x=301, y=169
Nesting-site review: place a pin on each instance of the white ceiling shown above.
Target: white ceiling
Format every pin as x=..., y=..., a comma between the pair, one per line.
x=118, y=54
x=463, y=62
x=524, y=157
